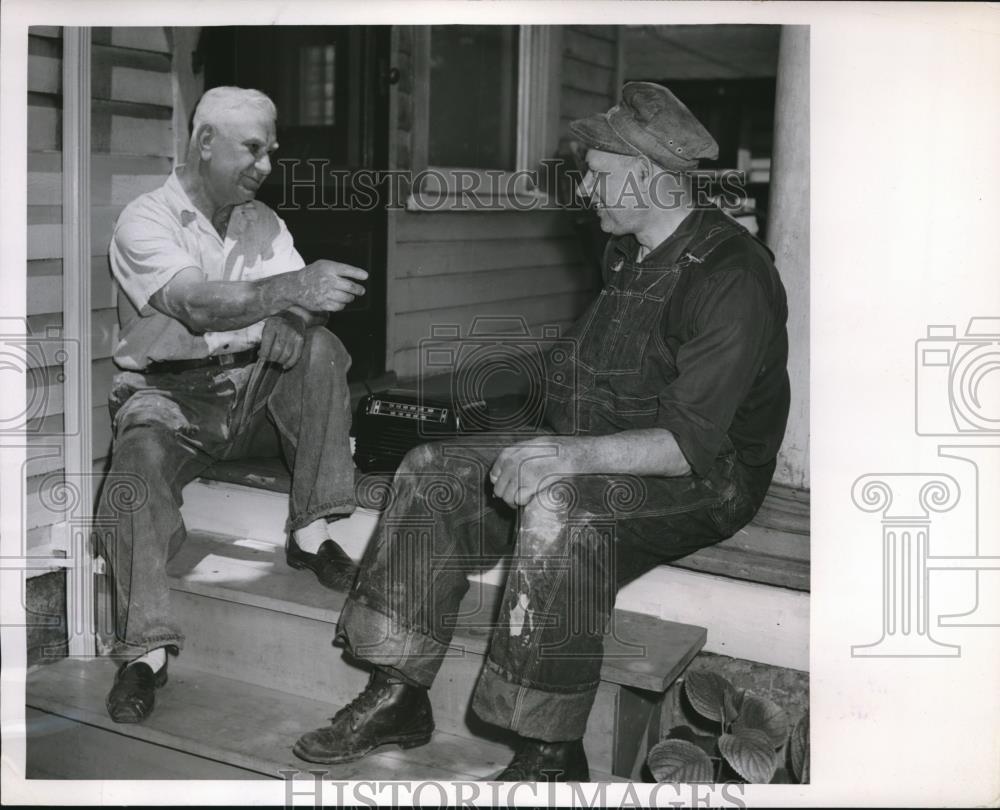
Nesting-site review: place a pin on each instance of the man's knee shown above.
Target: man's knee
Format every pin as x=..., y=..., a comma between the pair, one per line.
x=143, y=447
x=422, y=458
x=325, y=347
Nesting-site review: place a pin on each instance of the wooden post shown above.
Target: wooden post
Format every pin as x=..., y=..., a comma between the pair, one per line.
x=76, y=328
x=788, y=237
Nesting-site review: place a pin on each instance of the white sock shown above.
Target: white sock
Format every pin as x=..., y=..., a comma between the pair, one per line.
x=311, y=537
x=155, y=658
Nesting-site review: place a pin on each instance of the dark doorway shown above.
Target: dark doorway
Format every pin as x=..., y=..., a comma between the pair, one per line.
x=330, y=86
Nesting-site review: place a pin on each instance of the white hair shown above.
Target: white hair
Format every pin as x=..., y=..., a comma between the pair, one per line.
x=215, y=105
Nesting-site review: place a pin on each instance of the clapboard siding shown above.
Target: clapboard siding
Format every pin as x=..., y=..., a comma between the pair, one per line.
x=44, y=394
x=45, y=287
x=579, y=44
x=45, y=229
x=437, y=293
x=41, y=459
x=44, y=387
x=464, y=226
x=589, y=72
x=408, y=359
x=45, y=495
x=131, y=153
x=114, y=179
x=103, y=329
x=440, y=258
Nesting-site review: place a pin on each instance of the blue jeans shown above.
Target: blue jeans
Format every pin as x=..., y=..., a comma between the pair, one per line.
x=168, y=428
x=574, y=545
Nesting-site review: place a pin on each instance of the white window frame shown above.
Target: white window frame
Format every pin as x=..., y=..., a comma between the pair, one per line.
x=536, y=130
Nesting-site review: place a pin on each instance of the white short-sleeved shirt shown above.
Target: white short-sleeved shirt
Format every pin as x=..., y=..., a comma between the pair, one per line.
x=161, y=233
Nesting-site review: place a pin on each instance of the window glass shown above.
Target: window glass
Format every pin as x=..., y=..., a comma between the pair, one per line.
x=473, y=96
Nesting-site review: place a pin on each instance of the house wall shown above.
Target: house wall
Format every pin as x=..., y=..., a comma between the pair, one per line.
x=450, y=267
x=132, y=149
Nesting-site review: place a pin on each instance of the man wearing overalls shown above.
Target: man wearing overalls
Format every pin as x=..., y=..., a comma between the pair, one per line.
x=664, y=443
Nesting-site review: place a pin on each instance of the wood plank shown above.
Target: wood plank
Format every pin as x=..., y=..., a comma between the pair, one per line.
x=102, y=225
x=49, y=31
x=746, y=620
x=456, y=290
x=141, y=86
x=580, y=103
x=579, y=45
x=46, y=385
x=44, y=127
x=140, y=136
x=586, y=76
x=411, y=328
x=44, y=187
x=426, y=259
x=110, y=56
x=44, y=74
x=44, y=241
x=245, y=726
x=39, y=459
x=142, y=111
x=59, y=748
x=452, y=226
x=104, y=330
x=608, y=33
x=43, y=505
x=641, y=651
x=149, y=38
x=406, y=362
x=752, y=566
x=44, y=285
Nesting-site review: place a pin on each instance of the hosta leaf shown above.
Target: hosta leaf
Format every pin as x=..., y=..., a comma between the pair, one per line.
x=679, y=761
x=798, y=749
x=707, y=693
x=705, y=742
x=731, y=704
x=764, y=715
x=750, y=754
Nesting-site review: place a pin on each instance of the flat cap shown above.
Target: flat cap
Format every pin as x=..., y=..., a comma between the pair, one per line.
x=651, y=121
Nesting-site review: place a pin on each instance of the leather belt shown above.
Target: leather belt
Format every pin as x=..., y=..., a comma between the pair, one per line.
x=216, y=361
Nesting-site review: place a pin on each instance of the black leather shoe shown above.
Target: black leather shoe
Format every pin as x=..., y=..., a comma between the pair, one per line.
x=538, y=761
x=133, y=694
x=331, y=564
x=387, y=711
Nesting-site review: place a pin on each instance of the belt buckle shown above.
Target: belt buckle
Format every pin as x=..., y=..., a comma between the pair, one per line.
x=226, y=360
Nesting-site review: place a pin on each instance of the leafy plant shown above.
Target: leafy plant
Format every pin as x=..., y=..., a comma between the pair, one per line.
x=753, y=740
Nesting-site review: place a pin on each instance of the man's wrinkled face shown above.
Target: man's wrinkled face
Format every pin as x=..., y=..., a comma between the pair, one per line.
x=616, y=186
x=238, y=156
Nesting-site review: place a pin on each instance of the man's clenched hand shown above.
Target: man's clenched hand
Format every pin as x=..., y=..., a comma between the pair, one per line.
x=282, y=339
x=328, y=286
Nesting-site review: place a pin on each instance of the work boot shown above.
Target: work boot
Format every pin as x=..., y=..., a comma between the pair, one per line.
x=389, y=710
x=539, y=761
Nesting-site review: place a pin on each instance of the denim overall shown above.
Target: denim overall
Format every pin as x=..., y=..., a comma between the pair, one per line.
x=574, y=545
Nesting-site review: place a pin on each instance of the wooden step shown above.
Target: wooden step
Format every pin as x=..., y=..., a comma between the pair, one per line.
x=248, y=616
x=772, y=550
x=211, y=727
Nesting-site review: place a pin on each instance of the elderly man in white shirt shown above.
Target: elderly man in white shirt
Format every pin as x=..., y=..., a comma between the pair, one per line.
x=224, y=355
